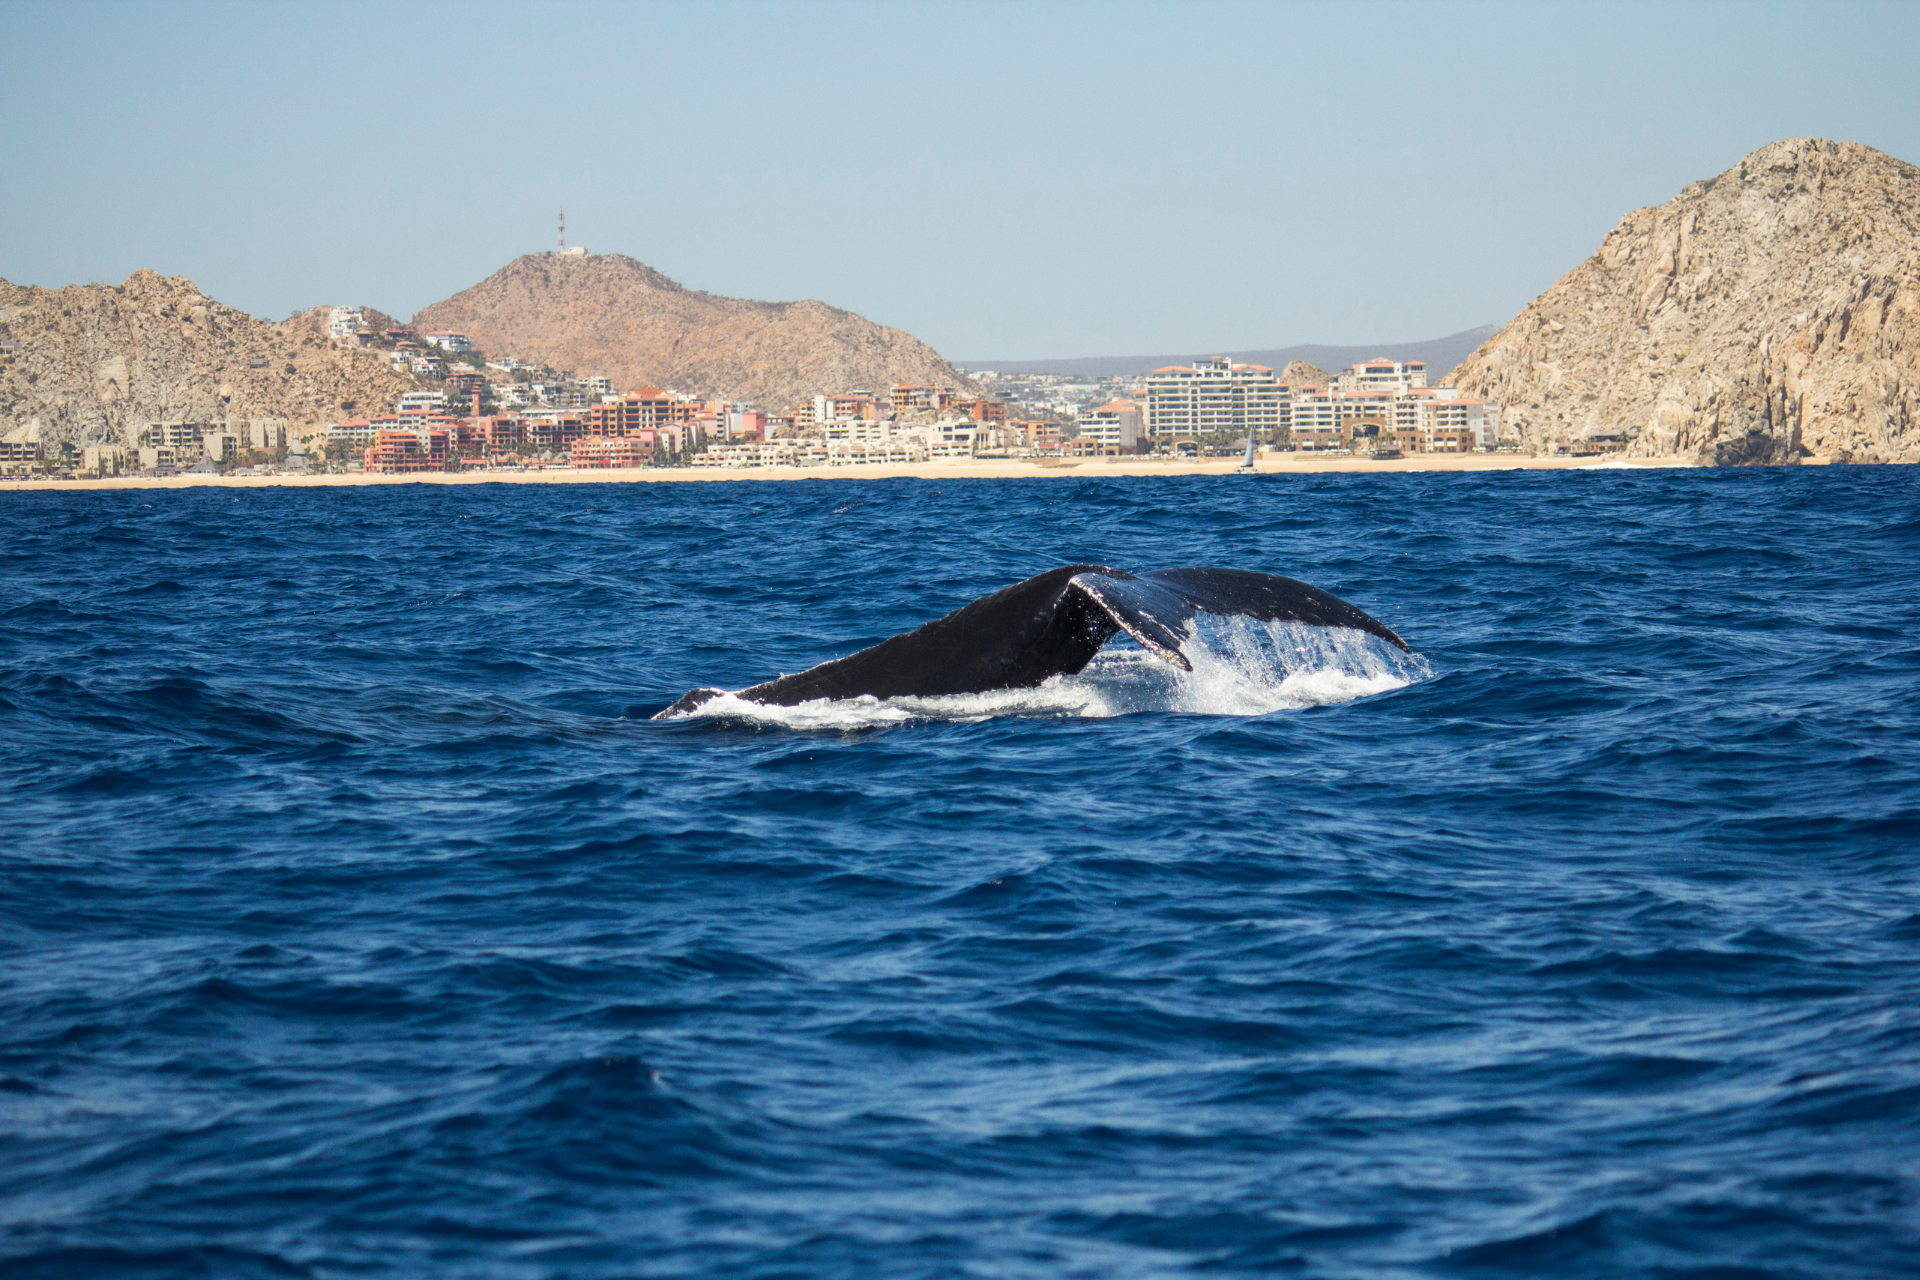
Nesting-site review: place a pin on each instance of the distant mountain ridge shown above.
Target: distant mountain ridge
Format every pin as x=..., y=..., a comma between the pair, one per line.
x=1440, y=355
x=610, y=314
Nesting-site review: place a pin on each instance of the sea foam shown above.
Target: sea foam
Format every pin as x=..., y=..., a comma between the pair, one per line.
x=1241, y=667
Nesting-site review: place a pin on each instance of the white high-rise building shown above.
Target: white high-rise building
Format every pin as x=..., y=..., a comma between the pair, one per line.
x=1213, y=396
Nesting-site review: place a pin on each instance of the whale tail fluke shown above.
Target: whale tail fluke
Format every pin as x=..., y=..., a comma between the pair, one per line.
x=1052, y=624
x=1178, y=594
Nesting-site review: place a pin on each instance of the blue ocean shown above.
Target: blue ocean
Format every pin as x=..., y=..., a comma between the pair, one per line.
x=358, y=920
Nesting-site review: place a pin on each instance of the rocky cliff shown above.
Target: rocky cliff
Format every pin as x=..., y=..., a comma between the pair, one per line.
x=1299, y=373
x=1762, y=315
x=96, y=363
x=608, y=314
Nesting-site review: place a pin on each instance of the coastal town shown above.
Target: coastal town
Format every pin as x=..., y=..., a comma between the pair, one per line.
x=496, y=412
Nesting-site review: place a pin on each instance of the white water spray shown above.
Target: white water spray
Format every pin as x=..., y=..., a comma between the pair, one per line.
x=1241, y=667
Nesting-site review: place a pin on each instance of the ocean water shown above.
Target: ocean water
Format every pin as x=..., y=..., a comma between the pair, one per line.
x=357, y=921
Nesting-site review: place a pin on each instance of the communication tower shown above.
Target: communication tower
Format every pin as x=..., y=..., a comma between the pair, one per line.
x=563, y=231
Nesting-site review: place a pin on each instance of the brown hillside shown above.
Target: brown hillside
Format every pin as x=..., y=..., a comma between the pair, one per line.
x=1768, y=313
x=608, y=314
x=96, y=363
x=1299, y=373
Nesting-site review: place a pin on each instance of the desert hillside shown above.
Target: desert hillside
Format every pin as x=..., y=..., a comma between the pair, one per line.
x=1758, y=316
x=1299, y=373
x=95, y=363
x=608, y=314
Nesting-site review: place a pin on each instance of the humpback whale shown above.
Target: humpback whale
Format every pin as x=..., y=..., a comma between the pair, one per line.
x=1052, y=624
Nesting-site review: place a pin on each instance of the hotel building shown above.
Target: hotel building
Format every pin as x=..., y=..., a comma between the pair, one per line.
x=1214, y=396
x=1117, y=423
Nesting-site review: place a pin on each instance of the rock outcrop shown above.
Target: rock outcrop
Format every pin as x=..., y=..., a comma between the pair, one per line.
x=1764, y=315
x=1299, y=373
x=608, y=314
x=96, y=363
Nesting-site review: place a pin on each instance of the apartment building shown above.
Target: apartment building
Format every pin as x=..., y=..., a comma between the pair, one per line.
x=1381, y=374
x=1214, y=395
x=403, y=449
x=907, y=398
x=1320, y=415
x=266, y=433
x=1393, y=397
x=22, y=448
x=848, y=406
x=642, y=410
x=1447, y=419
x=1117, y=423
x=103, y=460
x=744, y=424
x=466, y=383
x=605, y=452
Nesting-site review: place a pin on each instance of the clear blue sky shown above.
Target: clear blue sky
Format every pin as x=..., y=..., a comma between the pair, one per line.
x=1017, y=181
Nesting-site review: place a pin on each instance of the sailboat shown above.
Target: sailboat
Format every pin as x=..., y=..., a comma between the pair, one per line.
x=1246, y=467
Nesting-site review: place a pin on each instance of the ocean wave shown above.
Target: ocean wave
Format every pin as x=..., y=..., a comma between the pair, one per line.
x=355, y=920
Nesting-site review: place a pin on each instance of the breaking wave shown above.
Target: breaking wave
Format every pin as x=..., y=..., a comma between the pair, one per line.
x=1241, y=667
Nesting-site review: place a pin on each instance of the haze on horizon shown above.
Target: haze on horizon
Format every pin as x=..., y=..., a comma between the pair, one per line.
x=1004, y=181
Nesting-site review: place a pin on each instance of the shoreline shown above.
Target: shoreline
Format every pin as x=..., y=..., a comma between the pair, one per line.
x=946, y=469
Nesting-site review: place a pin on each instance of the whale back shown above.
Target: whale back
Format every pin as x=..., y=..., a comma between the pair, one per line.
x=1014, y=638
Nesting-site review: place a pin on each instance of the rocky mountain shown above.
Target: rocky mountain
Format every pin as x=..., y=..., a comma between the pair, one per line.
x=1299, y=373
x=96, y=363
x=608, y=314
x=1758, y=316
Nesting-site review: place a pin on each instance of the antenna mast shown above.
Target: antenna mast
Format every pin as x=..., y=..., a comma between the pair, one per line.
x=563, y=231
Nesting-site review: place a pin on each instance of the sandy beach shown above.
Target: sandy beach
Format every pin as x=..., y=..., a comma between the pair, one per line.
x=944, y=469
